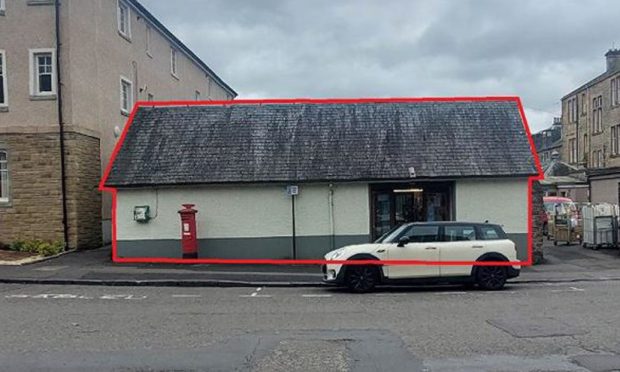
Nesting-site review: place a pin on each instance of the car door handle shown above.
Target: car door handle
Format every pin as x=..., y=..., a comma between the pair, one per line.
x=430, y=248
x=477, y=246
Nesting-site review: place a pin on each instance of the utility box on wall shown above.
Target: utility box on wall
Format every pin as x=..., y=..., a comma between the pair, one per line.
x=141, y=213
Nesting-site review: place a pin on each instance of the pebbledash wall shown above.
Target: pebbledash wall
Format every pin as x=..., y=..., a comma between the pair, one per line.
x=254, y=221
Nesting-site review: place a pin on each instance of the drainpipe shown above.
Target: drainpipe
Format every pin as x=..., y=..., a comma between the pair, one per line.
x=293, y=222
x=61, y=125
x=136, y=91
x=332, y=229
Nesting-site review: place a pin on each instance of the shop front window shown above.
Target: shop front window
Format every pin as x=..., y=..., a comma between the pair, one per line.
x=396, y=204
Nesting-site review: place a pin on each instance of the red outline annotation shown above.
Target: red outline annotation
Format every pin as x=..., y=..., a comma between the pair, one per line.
x=119, y=143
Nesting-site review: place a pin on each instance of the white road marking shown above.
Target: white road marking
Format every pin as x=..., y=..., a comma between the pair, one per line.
x=186, y=295
x=50, y=268
x=488, y=293
x=255, y=293
x=69, y=296
x=570, y=289
x=450, y=293
x=315, y=295
x=255, y=296
x=122, y=297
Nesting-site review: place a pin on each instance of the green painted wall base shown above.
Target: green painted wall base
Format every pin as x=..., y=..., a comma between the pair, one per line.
x=307, y=247
x=520, y=241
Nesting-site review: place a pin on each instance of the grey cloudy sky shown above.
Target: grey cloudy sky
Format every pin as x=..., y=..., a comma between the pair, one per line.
x=538, y=50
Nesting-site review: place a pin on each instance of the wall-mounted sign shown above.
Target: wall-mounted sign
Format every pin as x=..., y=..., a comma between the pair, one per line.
x=292, y=190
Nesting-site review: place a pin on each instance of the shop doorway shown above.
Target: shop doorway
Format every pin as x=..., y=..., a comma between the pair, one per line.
x=394, y=204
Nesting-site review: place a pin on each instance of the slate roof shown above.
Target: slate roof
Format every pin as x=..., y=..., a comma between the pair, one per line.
x=557, y=171
x=251, y=143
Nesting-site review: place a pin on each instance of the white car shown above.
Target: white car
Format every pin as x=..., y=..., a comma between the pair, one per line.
x=434, y=242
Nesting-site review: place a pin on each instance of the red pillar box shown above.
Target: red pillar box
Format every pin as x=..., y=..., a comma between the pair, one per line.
x=189, y=242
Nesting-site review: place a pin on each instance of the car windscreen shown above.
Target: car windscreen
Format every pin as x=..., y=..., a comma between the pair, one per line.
x=392, y=234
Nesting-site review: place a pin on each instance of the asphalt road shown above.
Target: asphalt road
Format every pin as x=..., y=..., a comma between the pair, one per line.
x=536, y=327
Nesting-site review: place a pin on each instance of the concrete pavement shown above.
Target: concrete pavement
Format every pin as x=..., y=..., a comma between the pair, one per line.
x=527, y=327
x=564, y=264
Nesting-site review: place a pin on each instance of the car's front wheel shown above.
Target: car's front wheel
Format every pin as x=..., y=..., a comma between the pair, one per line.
x=361, y=279
x=491, y=278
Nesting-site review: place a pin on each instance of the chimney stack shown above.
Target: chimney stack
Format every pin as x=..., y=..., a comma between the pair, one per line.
x=613, y=60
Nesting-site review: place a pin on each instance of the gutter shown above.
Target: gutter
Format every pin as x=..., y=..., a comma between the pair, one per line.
x=141, y=184
x=61, y=124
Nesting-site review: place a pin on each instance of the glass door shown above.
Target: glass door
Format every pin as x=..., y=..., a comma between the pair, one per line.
x=382, y=204
x=395, y=204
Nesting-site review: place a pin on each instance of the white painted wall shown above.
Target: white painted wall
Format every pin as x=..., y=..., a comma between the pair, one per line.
x=245, y=211
x=503, y=202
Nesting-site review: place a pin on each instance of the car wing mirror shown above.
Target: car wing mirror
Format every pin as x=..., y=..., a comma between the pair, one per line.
x=403, y=241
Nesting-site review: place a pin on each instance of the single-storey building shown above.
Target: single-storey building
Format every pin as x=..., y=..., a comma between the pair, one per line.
x=296, y=180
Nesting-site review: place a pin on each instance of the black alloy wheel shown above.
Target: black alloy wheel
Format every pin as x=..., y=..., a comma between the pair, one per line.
x=491, y=278
x=361, y=279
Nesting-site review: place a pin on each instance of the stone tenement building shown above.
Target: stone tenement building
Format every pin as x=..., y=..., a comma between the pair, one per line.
x=548, y=141
x=591, y=130
x=590, y=118
x=70, y=72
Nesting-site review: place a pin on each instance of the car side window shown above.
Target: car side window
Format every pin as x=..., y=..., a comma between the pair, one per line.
x=423, y=234
x=488, y=233
x=457, y=233
x=491, y=233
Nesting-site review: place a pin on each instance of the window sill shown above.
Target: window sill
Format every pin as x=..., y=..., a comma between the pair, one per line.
x=43, y=97
x=175, y=76
x=5, y=203
x=597, y=133
x=124, y=36
x=124, y=113
x=149, y=54
x=2, y=12
x=4, y=108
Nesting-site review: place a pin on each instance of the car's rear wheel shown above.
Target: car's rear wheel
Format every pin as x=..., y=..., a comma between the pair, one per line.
x=361, y=279
x=491, y=278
